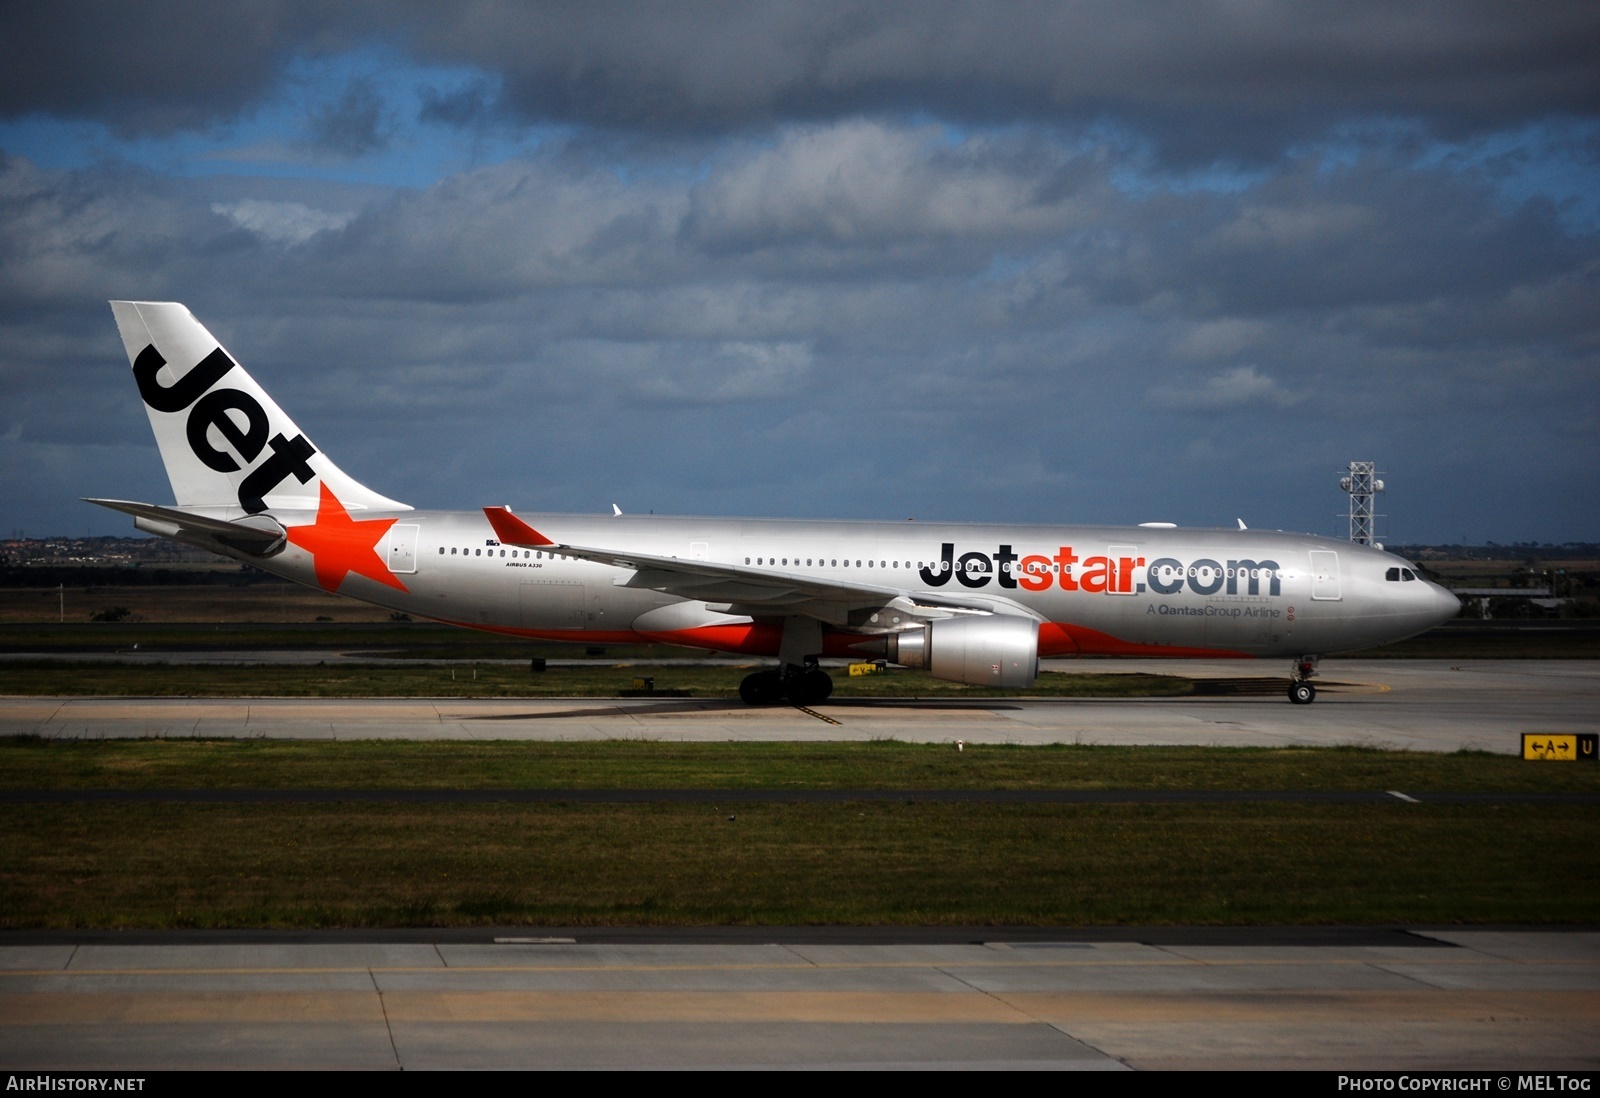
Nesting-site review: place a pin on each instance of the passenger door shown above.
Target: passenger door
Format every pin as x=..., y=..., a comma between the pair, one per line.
x=1325, y=575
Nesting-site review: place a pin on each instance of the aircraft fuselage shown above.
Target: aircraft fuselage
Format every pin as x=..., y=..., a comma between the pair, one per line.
x=1096, y=590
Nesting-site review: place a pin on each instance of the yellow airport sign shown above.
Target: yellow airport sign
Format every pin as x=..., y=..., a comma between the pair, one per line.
x=863, y=669
x=1560, y=746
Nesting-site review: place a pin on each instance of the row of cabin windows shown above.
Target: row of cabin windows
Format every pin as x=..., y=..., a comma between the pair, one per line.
x=942, y=566
x=820, y=563
x=527, y=554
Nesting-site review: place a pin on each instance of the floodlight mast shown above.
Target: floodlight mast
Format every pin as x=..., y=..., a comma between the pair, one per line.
x=1363, y=485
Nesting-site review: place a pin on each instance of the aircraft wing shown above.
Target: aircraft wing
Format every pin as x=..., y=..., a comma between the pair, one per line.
x=752, y=589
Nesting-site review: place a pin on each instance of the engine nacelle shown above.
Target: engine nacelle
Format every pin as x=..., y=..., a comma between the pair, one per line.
x=996, y=650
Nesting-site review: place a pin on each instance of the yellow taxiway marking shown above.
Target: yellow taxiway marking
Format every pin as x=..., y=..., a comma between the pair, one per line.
x=1173, y=961
x=1572, y=1008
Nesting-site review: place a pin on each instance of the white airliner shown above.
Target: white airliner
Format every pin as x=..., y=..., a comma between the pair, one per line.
x=970, y=603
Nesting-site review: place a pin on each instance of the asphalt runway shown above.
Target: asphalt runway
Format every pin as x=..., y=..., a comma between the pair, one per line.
x=1426, y=705
x=1435, y=999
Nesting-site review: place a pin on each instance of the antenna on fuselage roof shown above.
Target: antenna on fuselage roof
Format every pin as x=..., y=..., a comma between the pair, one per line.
x=615, y=511
x=1242, y=526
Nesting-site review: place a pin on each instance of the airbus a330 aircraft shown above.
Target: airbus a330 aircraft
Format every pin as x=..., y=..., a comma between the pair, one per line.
x=970, y=603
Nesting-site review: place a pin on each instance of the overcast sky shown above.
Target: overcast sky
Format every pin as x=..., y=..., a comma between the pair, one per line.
x=1042, y=262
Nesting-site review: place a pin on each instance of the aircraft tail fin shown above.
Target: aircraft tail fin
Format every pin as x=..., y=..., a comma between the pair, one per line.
x=224, y=441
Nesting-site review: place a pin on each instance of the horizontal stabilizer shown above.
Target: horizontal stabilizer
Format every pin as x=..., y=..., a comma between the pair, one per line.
x=258, y=534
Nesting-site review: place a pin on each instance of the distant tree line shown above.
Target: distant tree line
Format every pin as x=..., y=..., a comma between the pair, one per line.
x=1521, y=550
x=45, y=575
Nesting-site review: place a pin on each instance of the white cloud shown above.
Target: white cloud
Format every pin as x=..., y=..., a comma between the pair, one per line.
x=858, y=183
x=1238, y=387
x=728, y=373
x=280, y=222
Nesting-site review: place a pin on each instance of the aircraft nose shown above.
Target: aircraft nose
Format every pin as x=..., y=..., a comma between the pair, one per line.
x=1444, y=603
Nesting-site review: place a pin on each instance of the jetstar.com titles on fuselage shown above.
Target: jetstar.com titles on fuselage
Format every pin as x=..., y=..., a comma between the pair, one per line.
x=1110, y=573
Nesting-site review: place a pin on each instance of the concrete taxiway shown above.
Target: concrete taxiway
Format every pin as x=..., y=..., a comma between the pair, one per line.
x=1427, y=705
x=1433, y=999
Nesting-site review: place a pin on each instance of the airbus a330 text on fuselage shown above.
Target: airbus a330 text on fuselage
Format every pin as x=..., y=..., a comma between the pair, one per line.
x=973, y=603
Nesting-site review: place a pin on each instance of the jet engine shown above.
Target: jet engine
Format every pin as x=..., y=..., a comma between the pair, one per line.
x=996, y=650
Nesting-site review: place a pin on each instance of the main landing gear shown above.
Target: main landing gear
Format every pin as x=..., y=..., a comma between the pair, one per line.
x=801, y=685
x=1301, y=692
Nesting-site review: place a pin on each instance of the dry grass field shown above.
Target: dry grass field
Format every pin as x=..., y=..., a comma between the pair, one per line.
x=1492, y=572
x=256, y=604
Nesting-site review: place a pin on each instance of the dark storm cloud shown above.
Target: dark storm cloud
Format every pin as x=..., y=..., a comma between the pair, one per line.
x=836, y=259
x=353, y=124
x=1205, y=80
x=150, y=67
x=1208, y=79
x=101, y=232
x=1379, y=232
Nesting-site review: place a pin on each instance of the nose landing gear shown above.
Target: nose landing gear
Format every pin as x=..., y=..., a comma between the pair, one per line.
x=1301, y=692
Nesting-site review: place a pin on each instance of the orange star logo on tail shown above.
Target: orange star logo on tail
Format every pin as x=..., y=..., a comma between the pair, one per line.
x=340, y=545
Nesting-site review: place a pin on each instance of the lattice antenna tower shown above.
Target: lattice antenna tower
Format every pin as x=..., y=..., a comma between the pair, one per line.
x=1363, y=485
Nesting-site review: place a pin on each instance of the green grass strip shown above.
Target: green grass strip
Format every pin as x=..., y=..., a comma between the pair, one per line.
x=861, y=863
x=35, y=763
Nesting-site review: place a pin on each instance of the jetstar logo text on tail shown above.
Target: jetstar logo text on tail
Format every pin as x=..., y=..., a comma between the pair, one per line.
x=340, y=545
x=1118, y=571
x=209, y=407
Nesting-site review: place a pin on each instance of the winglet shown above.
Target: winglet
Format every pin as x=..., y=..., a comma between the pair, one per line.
x=512, y=530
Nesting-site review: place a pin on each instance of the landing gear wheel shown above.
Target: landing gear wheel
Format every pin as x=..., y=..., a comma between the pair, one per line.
x=761, y=688
x=1302, y=693
x=810, y=688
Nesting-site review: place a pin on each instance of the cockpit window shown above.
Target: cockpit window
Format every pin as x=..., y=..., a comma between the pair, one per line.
x=1392, y=575
x=1407, y=574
